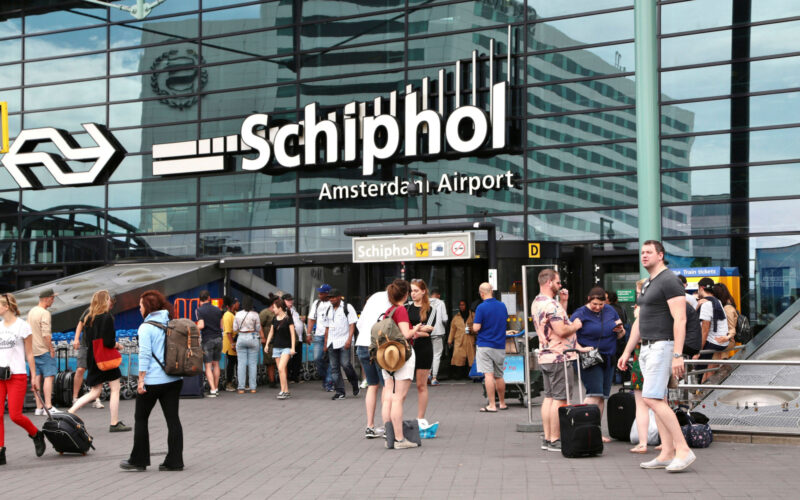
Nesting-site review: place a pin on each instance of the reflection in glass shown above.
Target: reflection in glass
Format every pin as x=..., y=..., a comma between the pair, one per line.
x=66, y=68
x=71, y=42
x=696, y=82
x=153, y=30
x=162, y=192
x=344, y=90
x=600, y=28
x=10, y=50
x=154, y=220
x=69, y=94
x=245, y=186
x=249, y=214
x=460, y=16
x=333, y=34
x=582, y=160
x=320, y=8
x=696, y=15
x=446, y=49
x=63, y=198
x=568, y=129
x=375, y=57
x=595, y=61
x=10, y=75
x=583, y=193
x=579, y=96
x=578, y=226
x=63, y=19
x=715, y=218
x=248, y=242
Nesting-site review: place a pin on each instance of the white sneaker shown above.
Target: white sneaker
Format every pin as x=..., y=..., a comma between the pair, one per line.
x=97, y=404
x=54, y=410
x=212, y=394
x=39, y=412
x=363, y=384
x=678, y=465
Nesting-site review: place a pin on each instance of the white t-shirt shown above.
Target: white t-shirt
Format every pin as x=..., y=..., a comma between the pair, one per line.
x=12, y=345
x=317, y=311
x=377, y=304
x=338, y=322
x=707, y=314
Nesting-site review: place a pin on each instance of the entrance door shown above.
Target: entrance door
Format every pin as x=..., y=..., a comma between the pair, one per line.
x=621, y=278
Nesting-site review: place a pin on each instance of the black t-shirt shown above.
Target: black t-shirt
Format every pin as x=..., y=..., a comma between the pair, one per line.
x=212, y=317
x=655, y=320
x=281, y=335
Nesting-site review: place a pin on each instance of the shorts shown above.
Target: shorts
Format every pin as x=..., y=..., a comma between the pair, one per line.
x=656, y=363
x=45, y=365
x=490, y=360
x=369, y=367
x=555, y=380
x=277, y=352
x=82, y=357
x=406, y=372
x=597, y=379
x=212, y=350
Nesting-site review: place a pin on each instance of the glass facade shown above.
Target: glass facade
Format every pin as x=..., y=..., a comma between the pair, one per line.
x=196, y=68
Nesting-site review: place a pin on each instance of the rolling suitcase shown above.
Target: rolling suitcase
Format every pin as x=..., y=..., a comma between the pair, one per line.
x=620, y=414
x=66, y=432
x=193, y=387
x=580, y=424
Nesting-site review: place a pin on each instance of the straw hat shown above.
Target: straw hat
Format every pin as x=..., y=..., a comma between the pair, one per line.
x=391, y=355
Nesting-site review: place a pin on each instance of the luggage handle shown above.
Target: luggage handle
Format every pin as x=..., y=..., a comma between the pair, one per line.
x=566, y=375
x=36, y=394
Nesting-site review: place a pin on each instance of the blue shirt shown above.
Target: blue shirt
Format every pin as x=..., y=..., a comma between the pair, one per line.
x=151, y=342
x=592, y=333
x=492, y=315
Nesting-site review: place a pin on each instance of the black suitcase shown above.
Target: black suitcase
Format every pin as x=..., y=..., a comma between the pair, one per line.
x=193, y=387
x=67, y=433
x=620, y=414
x=580, y=424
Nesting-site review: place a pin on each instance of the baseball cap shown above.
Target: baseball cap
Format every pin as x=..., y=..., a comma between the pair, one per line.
x=325, y=288
x=47, y=293
x=705, y=283
x=287, y=296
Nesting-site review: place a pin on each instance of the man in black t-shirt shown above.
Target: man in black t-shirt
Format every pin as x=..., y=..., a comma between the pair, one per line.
x=209, y=321
x=661, y=325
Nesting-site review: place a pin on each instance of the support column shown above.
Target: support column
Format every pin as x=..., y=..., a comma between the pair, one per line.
x=648, y=152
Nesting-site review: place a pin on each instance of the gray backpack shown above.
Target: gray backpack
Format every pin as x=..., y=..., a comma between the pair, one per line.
x=385, y=330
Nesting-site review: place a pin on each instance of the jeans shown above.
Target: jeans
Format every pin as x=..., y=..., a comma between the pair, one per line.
x=323, y=370
x=438, y=347
x=340, y=358
x=169, y=397
x=248, y=346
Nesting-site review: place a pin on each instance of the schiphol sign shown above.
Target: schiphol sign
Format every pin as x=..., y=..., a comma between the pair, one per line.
x=421, y=127
x=425, y=247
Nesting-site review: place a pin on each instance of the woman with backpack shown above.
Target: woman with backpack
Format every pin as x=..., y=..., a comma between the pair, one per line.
x=155, y=386
x=99, y=325
x=16, y=348
x=250, y=336
x=398, y=382
x=283, y=346
x=422, y=319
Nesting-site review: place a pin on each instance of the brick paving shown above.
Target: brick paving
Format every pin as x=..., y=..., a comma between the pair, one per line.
x=254, y=446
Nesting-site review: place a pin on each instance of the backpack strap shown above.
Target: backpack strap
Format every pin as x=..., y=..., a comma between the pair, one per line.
x=165, y=328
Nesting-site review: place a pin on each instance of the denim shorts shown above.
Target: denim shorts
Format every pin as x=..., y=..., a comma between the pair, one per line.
x=597, y=379
x=277, y=352
x=370, y=368
x=45, y=365
x=212, y=350
x=656, y=363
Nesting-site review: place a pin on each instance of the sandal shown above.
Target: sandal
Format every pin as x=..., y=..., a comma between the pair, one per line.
x=486, y=409
x=639, y=448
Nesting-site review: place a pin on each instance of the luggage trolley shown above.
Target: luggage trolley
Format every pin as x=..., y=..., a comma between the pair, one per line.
x=514, y=369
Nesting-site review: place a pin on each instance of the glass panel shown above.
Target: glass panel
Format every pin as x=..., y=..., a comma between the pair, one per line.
x=70, y=94
x=152, y=30
x=128, y=88
x=777, y=109
x=250, y=242
x=773, y=38
x=583, y=193
x=10, y=50
x=697, y=82
x=696, y=15
x=774, y=180
x=68, y=119
x=11, y=75
x=547, y=8
x=698, y=185
x=11, y=27
x=583, y=160
x=326, y=238
x=582, y=128
x=160, y=57
x=579, y=226
x=133, y=167
x=776, y=275
x=246, y=18
x=773, y=145
x=696, y=117
x=460, y=16
x=250, y=214
x=764, y=217
x=13, y=98
x=165, y=8
x=153, y=220
x=243, y=186
x=341, y=91
x=323, y=8
x=62, y=20
x=375, y=57
x=178, y=245
x=56, y=226
x=596, y=61
x=248, y=74
x=153, y=193
x=142, y=139
x=148, y=113
x=774, y=74
x=762, y=180
x=450, y=48
x=565, y=33
x=360, y=30
x=56, y=251
x=706, y=252
x=247, y=102
x=248, y=46
x=763, y=10
x=67, y=68
x=695, y=151
x=64, y=198
x=577, y=96
x=682, y=50
x=71, y=42
x=314, y=210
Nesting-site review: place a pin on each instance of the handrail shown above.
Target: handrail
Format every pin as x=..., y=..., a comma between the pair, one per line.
x=769, y=362
x=776, y=362
x=737, y=387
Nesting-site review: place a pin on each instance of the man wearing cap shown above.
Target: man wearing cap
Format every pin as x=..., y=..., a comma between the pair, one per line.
x=316, y=336
x=339, y=324
x=43, y=351
x=296, y=363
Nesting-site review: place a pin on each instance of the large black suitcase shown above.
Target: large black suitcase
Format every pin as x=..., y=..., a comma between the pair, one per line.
x=620, y=414
x=67, y=433
x=193, y=387
x=580, y=424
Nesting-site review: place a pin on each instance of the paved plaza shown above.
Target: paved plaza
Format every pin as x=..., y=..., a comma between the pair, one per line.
x=254, y=446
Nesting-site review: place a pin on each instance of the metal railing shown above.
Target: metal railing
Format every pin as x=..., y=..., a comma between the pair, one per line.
x=769, y=362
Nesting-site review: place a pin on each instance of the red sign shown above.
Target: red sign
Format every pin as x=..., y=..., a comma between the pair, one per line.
x=458, y=248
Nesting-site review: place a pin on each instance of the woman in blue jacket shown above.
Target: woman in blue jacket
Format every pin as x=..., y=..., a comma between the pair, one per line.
x=601, y=324
x=155, y=386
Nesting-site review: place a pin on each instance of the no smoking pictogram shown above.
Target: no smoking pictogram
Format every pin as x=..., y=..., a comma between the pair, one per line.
x=458, y=248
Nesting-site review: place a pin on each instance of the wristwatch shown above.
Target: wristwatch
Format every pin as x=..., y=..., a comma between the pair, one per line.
x=677, y=355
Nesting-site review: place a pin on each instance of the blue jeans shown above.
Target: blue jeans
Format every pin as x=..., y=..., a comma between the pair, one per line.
x=340, y=358
x=248, y=346
x=370, y=368
x=318, y=342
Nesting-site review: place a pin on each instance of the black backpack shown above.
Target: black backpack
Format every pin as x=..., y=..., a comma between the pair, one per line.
x=694, y=333
x=744, y=332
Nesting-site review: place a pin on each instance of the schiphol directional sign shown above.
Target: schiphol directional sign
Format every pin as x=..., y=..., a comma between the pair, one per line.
x=419, y=247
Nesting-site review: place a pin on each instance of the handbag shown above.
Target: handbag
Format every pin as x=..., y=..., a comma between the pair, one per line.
x=410, y=433
x=105, y=358
x=5, y=372
x=591, y=358
x=697, y=435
